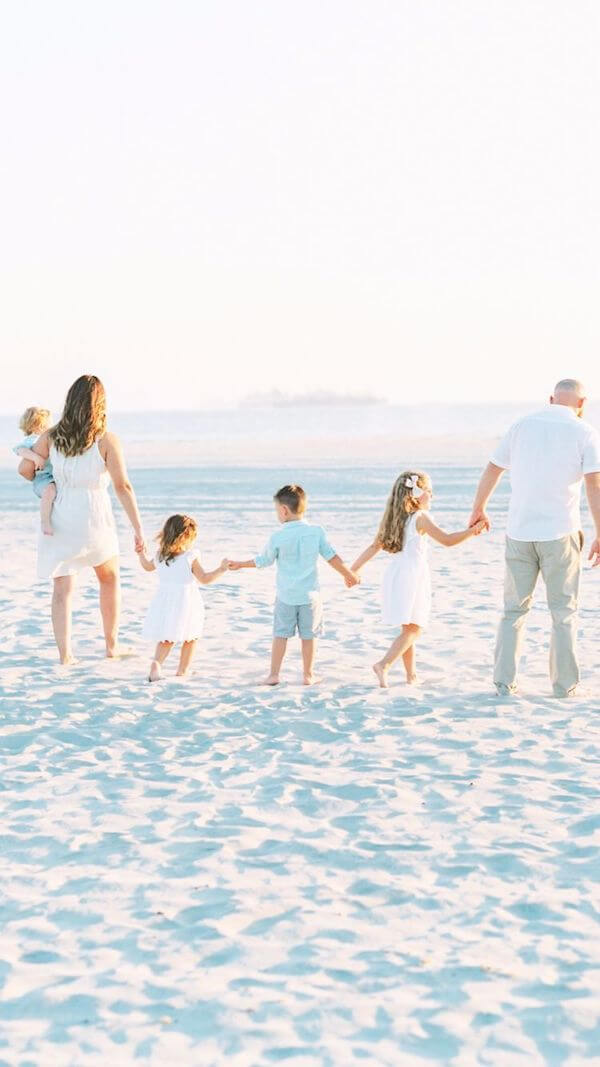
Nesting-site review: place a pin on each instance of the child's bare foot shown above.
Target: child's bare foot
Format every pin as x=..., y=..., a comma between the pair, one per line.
x=272, y=679
x=412, y=679
x=47, y=529
x=155, y=672
x=381, y=673
x=183, y=674
x=68, y=660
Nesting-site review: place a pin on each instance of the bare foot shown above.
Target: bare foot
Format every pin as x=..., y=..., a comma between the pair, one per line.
x=47, y=530
x=155, y=672
x=309, y=679
x=117, y=653
x=68, y=661
x=183, y=674
x=273, y=679
x=412, y=679
x=381, y=673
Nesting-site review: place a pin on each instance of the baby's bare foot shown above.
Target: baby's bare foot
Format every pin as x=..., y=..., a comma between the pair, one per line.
x=272, y=679
x=381, y=673
x=155, y=672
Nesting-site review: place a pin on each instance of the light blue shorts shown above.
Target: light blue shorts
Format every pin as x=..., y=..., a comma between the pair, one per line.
x=42, y=480
x=307, y=619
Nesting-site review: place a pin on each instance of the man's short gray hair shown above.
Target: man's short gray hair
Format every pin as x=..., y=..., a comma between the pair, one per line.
x=570, y=385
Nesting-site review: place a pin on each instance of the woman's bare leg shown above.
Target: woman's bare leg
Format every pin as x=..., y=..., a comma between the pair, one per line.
x=410, y=664
x=277, y=653
x=162, y=651
x=397, y=648
x=110, y=603
x=46, y=505
x=185, y=659
x=62, y=596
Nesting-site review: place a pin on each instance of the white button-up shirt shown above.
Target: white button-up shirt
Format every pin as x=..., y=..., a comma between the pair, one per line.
x=547, y=454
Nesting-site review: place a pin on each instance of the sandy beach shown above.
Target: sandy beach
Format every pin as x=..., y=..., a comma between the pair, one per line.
x=248, y=246
x=211, y=873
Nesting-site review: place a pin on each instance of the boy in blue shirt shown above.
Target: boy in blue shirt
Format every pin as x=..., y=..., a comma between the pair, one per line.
x=296, y=548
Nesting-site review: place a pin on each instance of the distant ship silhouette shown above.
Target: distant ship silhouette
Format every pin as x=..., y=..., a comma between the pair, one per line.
x=319, y=398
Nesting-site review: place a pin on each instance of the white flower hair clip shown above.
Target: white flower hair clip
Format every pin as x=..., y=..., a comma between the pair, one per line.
x=412, y=483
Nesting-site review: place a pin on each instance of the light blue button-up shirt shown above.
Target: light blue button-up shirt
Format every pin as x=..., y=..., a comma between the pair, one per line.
x=296, y=547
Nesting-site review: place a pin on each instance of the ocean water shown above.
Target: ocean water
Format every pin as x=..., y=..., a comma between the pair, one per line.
x=213, y=873
x=377, y=435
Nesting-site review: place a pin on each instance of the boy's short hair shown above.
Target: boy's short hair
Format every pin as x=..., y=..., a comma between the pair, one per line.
x=294, y=498
x=34, y=420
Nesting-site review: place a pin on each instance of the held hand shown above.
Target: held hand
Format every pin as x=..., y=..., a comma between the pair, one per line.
x=480, y=515
x=224, y=566
x=233, y=565
x=479, y=527
x=39, y=462
x=595, y=552
x=138, y=542
x=351, y=580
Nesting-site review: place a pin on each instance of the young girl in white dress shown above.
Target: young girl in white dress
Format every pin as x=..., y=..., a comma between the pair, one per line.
x=406, y=590
x=177, y=611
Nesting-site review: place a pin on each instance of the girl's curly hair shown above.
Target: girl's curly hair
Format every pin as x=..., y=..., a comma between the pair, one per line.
x=176, y=536
x=400, y=506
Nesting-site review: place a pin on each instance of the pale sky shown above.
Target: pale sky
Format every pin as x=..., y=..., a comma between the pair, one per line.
x=204, y=198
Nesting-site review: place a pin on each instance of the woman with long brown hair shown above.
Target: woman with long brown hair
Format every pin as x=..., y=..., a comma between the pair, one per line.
x=84, y=457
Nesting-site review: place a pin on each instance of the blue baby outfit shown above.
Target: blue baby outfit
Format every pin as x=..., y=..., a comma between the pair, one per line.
x=44, y=477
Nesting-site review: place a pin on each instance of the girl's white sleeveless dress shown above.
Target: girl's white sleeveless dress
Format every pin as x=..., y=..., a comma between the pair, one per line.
x=177, y=609
x=84, y=528
x=406, y=589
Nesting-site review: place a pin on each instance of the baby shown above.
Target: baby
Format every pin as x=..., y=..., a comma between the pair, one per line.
x=33, y=423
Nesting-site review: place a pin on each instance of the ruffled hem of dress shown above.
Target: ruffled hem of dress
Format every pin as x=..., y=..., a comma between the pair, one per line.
x=166, y=635
x=406, y=622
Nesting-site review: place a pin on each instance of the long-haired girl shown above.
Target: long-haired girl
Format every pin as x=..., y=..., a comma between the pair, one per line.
x=406, y=591
x=177, y=611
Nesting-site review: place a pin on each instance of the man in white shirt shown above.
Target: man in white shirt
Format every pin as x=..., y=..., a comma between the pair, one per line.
x=548, y=454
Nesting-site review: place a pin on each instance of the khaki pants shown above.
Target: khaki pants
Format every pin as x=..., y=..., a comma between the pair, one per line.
x=560, y=564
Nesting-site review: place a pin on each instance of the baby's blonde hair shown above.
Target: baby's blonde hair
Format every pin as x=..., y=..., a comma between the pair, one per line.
x=400, y=506
x=34, y=420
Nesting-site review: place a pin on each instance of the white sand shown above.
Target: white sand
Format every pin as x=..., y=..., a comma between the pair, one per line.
x=216, y=873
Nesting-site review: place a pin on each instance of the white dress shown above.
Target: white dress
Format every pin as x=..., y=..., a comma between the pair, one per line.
x=84, y=528
x=406, y=589
x=177, y=609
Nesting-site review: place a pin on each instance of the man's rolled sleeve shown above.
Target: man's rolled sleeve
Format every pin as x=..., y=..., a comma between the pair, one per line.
x=326, y=550
x=501, y=455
